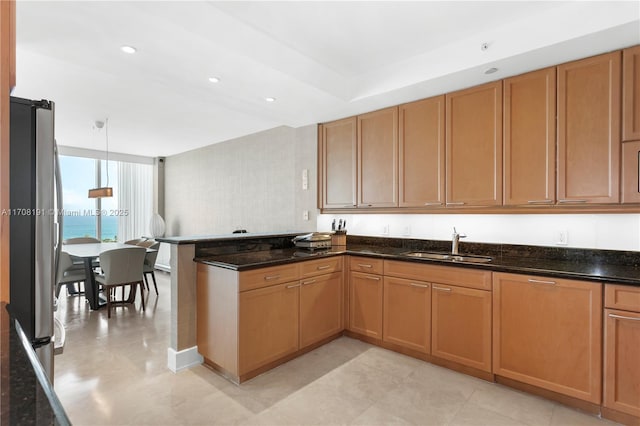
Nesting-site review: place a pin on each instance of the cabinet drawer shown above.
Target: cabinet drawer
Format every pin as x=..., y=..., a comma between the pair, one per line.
x=623, y=297
x=366, y=264
x=264, y=277
x=462, y=277
x=311, y=268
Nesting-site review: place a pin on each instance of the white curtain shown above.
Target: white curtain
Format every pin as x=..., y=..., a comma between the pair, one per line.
x=135, y=197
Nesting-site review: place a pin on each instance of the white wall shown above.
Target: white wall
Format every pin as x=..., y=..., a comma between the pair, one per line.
x=600, y=231
x=253, y=183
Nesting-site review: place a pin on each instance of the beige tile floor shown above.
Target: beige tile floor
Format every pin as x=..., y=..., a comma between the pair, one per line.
x=113, y=372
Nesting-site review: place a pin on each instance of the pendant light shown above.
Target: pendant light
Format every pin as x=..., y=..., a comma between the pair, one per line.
x=105, y=191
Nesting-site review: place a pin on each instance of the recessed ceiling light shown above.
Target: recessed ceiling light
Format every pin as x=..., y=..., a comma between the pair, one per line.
x=491, y=70
x=214, y=79
x=128, y=49
x=270, y=99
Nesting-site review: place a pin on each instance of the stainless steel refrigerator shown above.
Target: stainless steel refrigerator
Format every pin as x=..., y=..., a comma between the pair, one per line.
x=35, y=223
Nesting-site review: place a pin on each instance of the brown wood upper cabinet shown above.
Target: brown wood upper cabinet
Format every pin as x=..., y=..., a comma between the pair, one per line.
x=631, y=94
x=589, y=130
x=378, y=158
x=530, y=138
x=422, y=153
x=338, y=163
x=474, y=146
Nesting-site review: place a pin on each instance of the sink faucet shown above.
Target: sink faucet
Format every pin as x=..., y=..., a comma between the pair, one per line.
x=455, y=240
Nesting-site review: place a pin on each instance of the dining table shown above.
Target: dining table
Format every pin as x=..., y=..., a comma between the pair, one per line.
x=88, y=252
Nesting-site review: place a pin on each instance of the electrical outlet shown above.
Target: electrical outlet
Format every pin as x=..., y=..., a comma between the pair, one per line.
x=563, y=238
x=305, y=214
x=406, y=231
x=385, y=230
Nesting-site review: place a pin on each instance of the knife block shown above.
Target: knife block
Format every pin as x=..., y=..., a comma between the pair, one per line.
x=339, y=238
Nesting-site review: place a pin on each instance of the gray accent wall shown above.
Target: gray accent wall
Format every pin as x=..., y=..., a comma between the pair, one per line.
x=253, y=183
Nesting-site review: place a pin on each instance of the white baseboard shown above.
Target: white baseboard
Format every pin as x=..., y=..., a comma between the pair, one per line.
x=186, y=358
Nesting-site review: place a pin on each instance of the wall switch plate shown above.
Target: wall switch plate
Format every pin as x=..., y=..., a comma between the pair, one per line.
x=305, y=180
x=305, y=214
x=406, y=231
x=385, y=230
x=563, y=238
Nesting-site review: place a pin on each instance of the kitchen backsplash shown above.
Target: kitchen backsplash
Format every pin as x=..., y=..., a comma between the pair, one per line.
x=598, y=231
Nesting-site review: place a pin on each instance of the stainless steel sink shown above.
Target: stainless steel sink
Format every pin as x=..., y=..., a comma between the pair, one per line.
x=451, y=257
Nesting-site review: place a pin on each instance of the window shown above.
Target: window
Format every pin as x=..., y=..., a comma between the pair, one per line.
x=124, y=216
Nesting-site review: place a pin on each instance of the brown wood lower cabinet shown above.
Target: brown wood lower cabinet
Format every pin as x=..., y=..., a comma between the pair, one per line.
x=320, y=308
x=461, y=325
x=622, y=350
x=548, y=333
x=268, y=325
x=407, y=313
x=365, y=304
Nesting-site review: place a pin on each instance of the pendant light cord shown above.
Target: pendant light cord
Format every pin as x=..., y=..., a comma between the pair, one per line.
x=106, y=132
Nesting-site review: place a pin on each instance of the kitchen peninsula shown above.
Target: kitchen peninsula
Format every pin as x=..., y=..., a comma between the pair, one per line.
x=515, y=296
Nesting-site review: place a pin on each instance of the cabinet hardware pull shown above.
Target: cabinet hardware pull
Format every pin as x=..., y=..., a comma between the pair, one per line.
x=293, y=286
x=373, y=278
x=420, y=285
x=540, y=201
x=432, y=204
x=441, y=288
x=622, y=317
x=271, y=277
x=456, y=204
x=572, y=201
x=541, y=282
x=320, y=268
x=308, y=282
x=362, y=265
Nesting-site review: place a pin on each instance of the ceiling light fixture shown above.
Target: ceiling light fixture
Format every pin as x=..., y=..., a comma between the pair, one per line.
x=214, y=79
x=128, y=49
x=491, y=70
x=270, y=99
x=105, y=191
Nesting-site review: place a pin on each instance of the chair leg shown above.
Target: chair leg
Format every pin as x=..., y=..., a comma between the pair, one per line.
x=108, y=293
x=141, y=295
x=146, y=281
x=153, y=275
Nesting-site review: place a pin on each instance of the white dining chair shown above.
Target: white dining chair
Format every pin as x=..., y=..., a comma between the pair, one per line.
x=122, y=268
x=68, y=273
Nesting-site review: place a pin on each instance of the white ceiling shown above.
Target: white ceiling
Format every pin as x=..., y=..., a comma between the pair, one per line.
x=321, y=60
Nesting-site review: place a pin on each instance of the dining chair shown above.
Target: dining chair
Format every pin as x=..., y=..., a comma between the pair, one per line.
x=82, y=240
x=135, y=241
x=68, y=274
x=122, y=268
x=149, y=265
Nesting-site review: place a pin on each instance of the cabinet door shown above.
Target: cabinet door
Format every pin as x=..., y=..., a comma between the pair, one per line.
x=378, y=158
x=421, y=165
x=548, y=333
x=589, y=130
x=338, y=163
x=268, y=325
x=530, y=138
x=631, y=94
x=461, y=325
x=631, y=172
x=365, y=304
x=622, y=361
x=320, y=308
x=407, y=313
x=474, y=146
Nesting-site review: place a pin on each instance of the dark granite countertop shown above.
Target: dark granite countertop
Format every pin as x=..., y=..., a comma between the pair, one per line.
x=592, y=265
x=27, y=396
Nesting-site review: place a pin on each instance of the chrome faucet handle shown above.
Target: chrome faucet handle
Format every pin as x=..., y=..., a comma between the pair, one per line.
x=457, y=235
